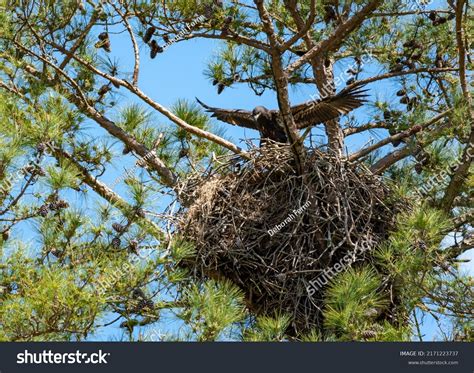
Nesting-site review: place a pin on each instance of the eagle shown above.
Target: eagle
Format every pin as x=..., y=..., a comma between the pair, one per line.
x=310, y=113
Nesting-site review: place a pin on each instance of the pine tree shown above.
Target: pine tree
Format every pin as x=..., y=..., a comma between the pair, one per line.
x=94, y=258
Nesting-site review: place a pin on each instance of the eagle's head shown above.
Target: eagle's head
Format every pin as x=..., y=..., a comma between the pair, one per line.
x=258, y=112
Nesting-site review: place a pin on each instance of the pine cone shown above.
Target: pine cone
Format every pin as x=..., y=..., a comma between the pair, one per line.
x=28, y=169
x=329, y=14
x=220, y=88
x=103, y=90
x=397, y=67
x=440, y=21
x=409, y=44
x=225, y=30
x=139, y=305
x=138, y=293
x=103, y=36
x=140, y=212
x=41, y=147
x=149, y=304
x=433, y=15
x=148, y=34
x=155, y=48
x=53, y=206
x=104, y=42
x=43, y=210
x=369, y=334
x=119, y=228
x=62, y=204
x=350, y=81
x=405, y=100
x=142, y=304
x=387, y=115
x=133, y=246
x=116, y=242
x=183, y=152
x=401, y=92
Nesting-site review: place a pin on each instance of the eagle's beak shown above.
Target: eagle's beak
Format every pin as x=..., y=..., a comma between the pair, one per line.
x=256, y=116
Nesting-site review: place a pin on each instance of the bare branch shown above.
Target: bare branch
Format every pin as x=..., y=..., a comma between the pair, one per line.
x=390, y=159
x=136, y=51
x=181, y=123
x=399, y=136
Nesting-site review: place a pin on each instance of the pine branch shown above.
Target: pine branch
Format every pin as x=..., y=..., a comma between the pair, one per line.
x=462, y=170
x=455, y=251
x=337, y=37
x=136, y=52
x=281, y=83
x=108, y=194
x=390, y=159
x=167, y=176
x=160, y=108
x=399, y=136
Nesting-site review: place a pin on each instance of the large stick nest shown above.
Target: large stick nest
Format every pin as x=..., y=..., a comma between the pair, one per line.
x=271, y=231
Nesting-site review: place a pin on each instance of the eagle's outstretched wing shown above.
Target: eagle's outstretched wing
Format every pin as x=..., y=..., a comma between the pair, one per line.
x=236, y=117
x=320, y=111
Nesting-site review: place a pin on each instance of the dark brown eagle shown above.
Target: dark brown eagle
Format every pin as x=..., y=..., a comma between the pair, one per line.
x=310, y=113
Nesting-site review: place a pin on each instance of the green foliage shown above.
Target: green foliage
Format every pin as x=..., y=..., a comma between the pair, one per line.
x=65, y=176
x=352, y=302
x=213, y=308
x=409, y=251
x=268, y=329
x=58, y=306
